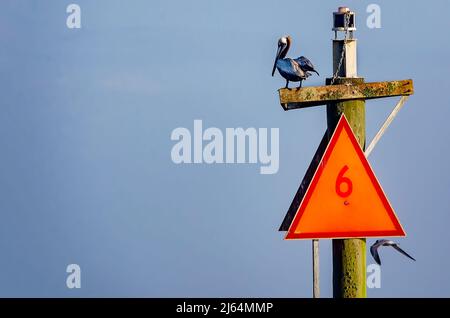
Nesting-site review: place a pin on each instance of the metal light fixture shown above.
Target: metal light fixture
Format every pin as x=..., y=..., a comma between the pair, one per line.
x=340, y=23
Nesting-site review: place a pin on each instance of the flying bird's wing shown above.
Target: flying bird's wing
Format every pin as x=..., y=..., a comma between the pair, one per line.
x=374, y=252
x=402, y=251
x=306, y=64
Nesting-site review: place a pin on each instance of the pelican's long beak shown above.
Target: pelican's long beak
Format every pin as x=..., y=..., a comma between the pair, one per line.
x=276, y=59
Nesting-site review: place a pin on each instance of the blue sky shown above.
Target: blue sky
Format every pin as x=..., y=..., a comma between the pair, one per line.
x=86, y=173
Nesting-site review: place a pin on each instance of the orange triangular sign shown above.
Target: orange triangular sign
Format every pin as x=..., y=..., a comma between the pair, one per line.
x=344, y=198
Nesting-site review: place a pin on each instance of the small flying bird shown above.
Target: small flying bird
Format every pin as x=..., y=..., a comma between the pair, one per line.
x=294, y=70
x=378, y=243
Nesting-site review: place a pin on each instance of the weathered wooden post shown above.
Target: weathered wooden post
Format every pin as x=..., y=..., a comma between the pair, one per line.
x=349, y=255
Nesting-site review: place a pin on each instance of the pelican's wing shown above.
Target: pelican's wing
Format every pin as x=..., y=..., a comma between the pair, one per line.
x=306, y=64
x=290, y=67
x=374, y=252
x=297, y=68
x=402, y=251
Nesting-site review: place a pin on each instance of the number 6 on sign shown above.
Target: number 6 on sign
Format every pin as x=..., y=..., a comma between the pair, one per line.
x=343, y=180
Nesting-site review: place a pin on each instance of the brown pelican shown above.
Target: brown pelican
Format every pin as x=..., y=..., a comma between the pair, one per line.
x=378, y=243
x=294, y=70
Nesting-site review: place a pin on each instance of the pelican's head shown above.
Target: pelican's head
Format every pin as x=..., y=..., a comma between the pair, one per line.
x=283, y=47
x=284, y=40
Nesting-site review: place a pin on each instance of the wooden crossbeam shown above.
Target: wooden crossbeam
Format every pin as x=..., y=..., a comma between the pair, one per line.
x=321, y=95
